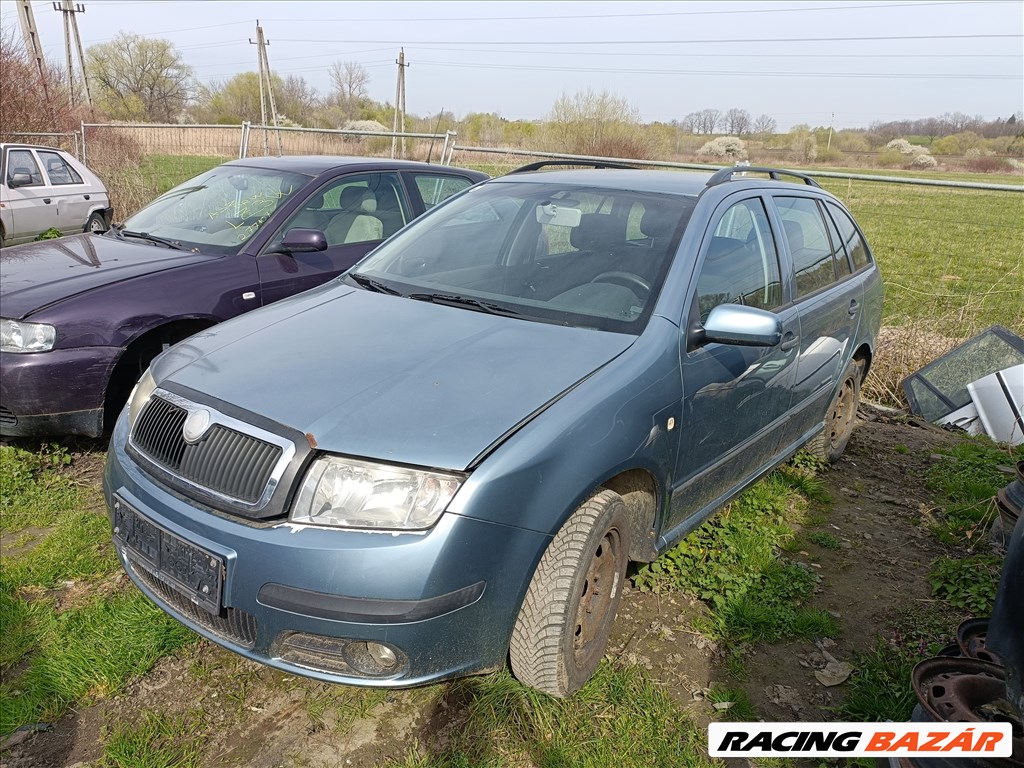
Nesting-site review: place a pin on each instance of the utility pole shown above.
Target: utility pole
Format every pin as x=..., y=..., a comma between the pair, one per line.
x=399, y=102
x=68, y=9
x=265, y=77
x=829, y=144
x=32, y=44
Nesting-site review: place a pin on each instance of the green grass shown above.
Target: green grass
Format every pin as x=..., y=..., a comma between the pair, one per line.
x=879, y=690
x=952, y=258
x=619, y=718
x=72, y=629
x=824, y=539
x=969, y=583
x=155, y=740
x=732, y=563
x=966, y=483
x=167, y=171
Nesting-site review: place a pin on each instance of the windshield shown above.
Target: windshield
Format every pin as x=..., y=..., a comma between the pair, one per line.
x=219, y=211
x=582, y=256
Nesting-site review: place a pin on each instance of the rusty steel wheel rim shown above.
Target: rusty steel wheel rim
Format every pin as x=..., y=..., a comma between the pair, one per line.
x=843, y=413
x=597, y=595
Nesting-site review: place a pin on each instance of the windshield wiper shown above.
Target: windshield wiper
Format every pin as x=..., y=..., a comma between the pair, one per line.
x=465, y=301
x=123, y=233
x=372, y=285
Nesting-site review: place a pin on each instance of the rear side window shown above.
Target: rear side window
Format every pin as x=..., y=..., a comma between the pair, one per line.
x=851, y=237
x=436, y=188
x=57, y=169
x=809, y=244
x=741, y=265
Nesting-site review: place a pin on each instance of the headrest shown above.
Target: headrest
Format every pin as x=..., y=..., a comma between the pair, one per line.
x=358, y=199
x=659, y=222
x=594, y=231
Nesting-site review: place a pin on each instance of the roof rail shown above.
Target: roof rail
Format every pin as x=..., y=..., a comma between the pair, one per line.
x=726, y=174
x=564, y=163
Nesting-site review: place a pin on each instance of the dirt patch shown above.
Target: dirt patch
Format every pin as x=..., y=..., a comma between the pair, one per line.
x=259, y=717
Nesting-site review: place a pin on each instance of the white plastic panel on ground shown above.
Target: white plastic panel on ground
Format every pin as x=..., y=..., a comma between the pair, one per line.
x=999, y=398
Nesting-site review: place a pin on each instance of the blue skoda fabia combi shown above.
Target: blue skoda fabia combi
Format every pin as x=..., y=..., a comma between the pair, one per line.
x=444, y=459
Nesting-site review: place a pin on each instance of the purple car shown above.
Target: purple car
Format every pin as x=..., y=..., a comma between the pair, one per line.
x=82, y=316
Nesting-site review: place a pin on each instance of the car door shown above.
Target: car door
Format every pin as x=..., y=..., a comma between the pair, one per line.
x=69, y=192
x=735, y=398
x=28, y=199
x=828, y=302
x=355, y=212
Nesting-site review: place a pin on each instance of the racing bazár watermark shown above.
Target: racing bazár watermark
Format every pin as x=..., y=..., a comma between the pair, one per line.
x=859, y=739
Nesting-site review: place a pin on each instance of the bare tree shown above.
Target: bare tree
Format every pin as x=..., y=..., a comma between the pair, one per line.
x=707, y=120
x=597, y=124
x=296, y=99
x=350, y=80
x=139, y=78
x=737, y=122
x=765, y=126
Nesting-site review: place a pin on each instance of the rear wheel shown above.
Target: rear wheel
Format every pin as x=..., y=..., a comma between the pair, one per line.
x=842, y=413
x=95, y=223
x=563, y=626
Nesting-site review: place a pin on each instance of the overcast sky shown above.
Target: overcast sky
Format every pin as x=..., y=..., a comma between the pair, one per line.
x=800, y=62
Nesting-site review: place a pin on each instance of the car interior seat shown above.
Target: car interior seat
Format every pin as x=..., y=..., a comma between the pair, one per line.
x=356, y=223
x=389, y=210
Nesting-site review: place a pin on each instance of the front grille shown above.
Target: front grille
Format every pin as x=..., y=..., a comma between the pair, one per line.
x=233, y=624
x=225, y=461
x=7, y=417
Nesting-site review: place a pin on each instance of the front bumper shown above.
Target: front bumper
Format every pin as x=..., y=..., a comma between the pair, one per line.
x=292, y=596
x=59, y=392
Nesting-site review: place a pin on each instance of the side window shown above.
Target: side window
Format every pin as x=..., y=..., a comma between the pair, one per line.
x=851, y=237
x=808, y=241
x=842, y=261
x=57, y=169
x=357, y=208
x=21, y=161
x=741, y=265
x=436, y=188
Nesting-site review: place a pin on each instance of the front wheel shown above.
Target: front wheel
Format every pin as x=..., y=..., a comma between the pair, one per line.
x=566, y=618
x=842, y=413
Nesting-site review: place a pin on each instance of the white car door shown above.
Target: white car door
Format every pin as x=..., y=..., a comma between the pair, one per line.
x=31, y=208
x=69, y=191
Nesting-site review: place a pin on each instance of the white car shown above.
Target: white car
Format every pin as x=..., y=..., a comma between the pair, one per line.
x=43, y=188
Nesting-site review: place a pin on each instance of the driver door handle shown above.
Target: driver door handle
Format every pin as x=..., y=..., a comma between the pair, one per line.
x=789, y=341
x=854, y=306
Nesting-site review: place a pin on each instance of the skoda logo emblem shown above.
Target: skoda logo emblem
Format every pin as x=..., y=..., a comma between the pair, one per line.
x=195, y=426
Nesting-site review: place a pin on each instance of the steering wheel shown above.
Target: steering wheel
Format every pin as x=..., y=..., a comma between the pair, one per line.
x=627, y=280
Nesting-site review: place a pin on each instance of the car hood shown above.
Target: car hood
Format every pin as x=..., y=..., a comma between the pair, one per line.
x=388, y=378
x=36, y=275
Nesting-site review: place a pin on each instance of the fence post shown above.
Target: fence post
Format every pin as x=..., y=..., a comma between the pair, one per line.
x=444, y=149
x=82, y=156
x=243, y=144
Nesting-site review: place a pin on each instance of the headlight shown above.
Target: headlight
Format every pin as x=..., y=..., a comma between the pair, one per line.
x=139, y=397
x=18, y=336
x=356, y=494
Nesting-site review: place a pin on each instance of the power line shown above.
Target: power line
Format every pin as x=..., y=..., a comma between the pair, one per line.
x=696, y=41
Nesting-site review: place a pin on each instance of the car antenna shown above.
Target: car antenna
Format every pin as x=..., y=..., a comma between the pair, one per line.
x=437, y=125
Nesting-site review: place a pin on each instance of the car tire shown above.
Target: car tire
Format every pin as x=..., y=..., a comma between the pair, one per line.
x=96, y=223
x=566, y=618
x=839, y=420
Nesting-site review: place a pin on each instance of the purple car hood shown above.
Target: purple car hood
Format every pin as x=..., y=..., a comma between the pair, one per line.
x=36, y=275
x=388, y=378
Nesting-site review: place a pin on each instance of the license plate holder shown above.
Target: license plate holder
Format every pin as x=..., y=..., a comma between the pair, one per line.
x=192, y=571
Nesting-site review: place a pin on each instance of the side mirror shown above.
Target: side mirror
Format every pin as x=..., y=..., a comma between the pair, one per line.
x=20, y=180
x=745, y=326
x=300, y=240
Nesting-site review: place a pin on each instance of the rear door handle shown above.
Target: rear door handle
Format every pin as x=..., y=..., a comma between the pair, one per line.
x=854, y=307
x=87, y=197
x=46, y=200
x=789, y=341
